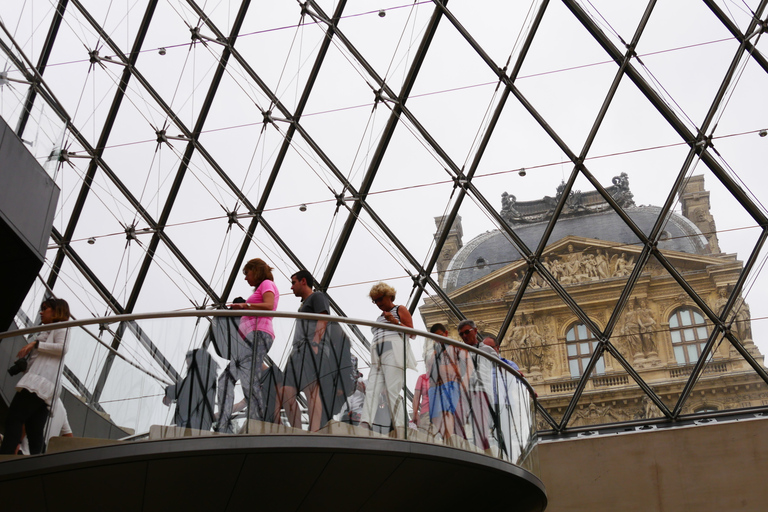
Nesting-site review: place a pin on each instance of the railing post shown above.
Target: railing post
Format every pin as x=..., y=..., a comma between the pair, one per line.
x=405, y=385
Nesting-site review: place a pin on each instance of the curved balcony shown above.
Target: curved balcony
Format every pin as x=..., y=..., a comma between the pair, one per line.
x=145, y=395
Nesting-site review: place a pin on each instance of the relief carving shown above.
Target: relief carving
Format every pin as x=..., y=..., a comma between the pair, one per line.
x=654, y=268
x=720, y=300
x=742, y=325
x=620, y=266
x=573, y=270
x=647, y=410
x=602, y=268
x=579, y=266
x=743, y=322
x=493, y=291
x=594, y=414
x=639, y=330
x=528, y=345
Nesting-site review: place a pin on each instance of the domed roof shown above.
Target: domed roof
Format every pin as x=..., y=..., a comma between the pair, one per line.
x=493, y=250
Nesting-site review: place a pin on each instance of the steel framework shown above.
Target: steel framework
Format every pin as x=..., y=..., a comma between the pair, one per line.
x=220, y=39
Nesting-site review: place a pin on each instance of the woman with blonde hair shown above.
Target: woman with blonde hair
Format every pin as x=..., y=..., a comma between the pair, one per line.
x=390, y=355
x=39, y=388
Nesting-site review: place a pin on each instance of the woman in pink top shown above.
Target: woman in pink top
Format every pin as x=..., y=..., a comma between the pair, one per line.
x=257, y=332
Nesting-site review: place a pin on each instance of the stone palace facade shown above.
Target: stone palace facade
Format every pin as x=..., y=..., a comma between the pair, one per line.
x=591, y=251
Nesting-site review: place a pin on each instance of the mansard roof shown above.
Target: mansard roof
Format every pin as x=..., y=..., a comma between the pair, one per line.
x=493, y=250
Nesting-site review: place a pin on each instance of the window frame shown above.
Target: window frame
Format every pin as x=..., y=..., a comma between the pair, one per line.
x=687, y=337
x=576, y=356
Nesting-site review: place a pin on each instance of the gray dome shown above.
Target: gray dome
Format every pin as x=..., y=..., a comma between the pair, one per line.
x=492, y=250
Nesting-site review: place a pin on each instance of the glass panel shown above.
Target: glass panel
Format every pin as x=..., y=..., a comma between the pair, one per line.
x=245, y=170
x=726, y=368
x=680, y=355
x=693, y=353
x=600, y=367
x=572, y=350
x=574, y=366
x=218, y=380
x=595, y=406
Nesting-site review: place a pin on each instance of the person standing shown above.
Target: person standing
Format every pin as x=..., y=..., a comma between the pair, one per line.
x=449, y=369
x=480, y=385
x=390, y=355
x=39, y=387
x=258, y=335
x=421, y=402
x=304, y=364
x=505, y=387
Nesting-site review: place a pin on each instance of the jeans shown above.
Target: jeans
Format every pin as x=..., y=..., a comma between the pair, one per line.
x=26, y=410
x=245, y=366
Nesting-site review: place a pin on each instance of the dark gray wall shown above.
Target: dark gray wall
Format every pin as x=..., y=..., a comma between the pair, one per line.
x=28, y=200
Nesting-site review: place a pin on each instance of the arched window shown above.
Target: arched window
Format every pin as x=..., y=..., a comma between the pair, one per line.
x=580, y=344
x=689, y=334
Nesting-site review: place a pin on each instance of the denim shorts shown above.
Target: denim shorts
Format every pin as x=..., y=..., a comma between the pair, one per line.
x=443, y=398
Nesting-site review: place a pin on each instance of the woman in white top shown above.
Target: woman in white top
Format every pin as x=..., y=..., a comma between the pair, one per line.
x=390, y=356
x=38, y=388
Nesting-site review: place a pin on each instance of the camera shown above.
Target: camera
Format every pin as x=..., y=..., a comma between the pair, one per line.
x=19, y=366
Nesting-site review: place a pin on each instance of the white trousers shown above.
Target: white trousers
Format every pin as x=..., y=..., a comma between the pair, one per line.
x=387, y=374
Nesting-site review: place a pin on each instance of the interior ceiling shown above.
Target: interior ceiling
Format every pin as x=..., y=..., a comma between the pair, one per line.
x=188, y=137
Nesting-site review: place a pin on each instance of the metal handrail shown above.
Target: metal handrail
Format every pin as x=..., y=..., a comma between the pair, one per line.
x=199, y=313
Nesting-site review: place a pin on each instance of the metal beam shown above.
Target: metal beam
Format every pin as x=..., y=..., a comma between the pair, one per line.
x=105, y=133
x=156, y=237
x=669, y=115
x=50, y=38
x=323, y=157
x=285, y=146
x=461, y=194
x=384, y=140
x=734, y=30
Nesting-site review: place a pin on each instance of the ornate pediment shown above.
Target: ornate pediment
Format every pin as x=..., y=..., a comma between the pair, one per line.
x=575, y=261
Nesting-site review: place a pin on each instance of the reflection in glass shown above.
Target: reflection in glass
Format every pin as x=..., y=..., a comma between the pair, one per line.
x=473, y=401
